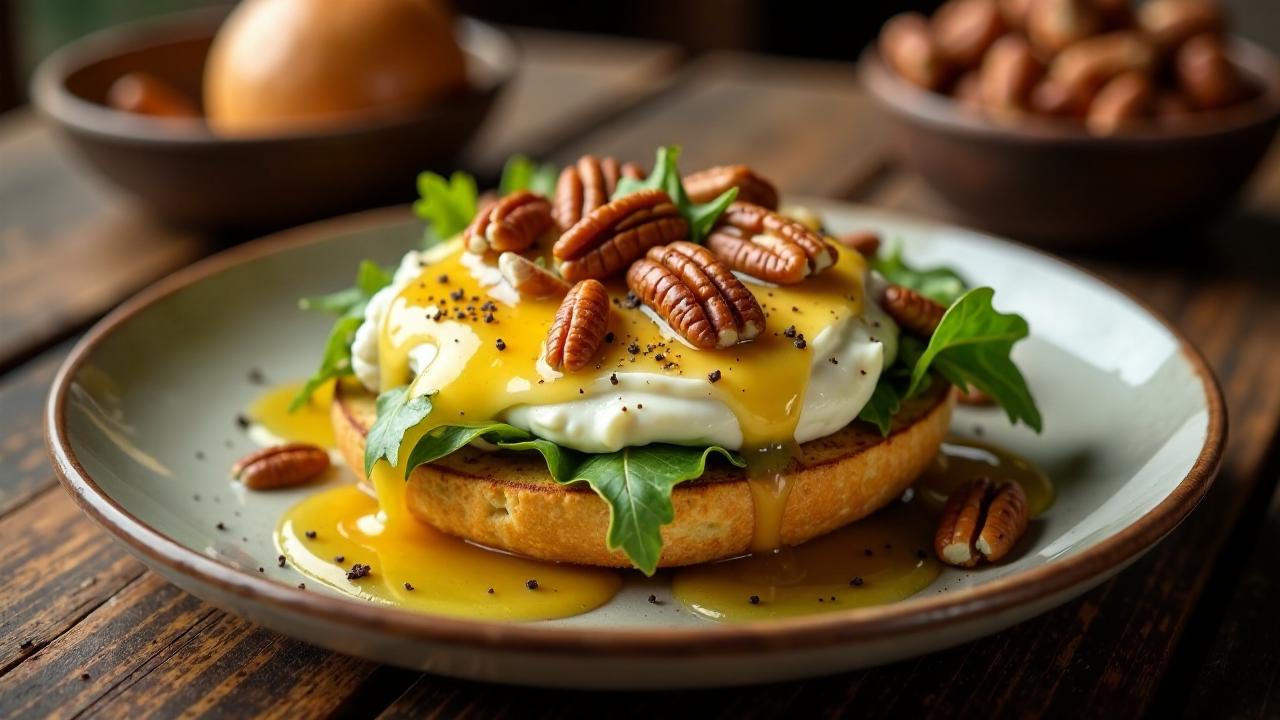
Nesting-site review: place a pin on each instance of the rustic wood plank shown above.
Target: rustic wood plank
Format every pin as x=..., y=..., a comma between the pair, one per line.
x=69, y=247
x=24, y=465
x=61, y=567
x=77, y=603
x=1239, y=676
x=802, y=124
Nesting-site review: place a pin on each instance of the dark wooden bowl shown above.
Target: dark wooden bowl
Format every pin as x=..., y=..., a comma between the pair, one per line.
x=186, y=174
x=1051, y=183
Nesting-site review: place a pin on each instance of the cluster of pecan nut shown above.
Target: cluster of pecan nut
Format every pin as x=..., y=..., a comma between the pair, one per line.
x=644, y=237
x=1099, y=61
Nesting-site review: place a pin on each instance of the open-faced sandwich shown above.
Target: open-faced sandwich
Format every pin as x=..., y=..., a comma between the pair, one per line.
x=619, y=368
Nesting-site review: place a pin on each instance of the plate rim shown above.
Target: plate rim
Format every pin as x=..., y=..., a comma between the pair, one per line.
x=817, y=631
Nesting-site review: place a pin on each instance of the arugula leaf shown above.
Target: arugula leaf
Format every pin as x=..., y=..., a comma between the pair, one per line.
x=447, y=205
x=522, y=173
x=349, y=306
x=336, y=361
x=637, y=484
x=397, y=412
x=885, y=402
x=561, y=462
x=448, y=439
x=940, y=283
x=666, y=176
x=972, y=346
x=370, y=278
x=334, y=303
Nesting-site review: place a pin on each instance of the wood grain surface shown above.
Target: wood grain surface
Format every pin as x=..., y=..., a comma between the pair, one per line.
x=1189, y=629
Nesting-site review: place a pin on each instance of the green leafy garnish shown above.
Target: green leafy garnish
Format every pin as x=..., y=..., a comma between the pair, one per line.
x=666, y=176
x=972, y=345
x=448, y=439
x=636, y=482
x=349, y=306
x=447, y=205
x=885, y=402
x=941, y=284
x=397, y=412
x=522, y=173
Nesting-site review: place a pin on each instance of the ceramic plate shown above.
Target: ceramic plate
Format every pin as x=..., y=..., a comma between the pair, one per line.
x=141, y=424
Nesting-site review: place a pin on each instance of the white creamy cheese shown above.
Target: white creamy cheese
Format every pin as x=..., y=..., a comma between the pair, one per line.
x=662, y=408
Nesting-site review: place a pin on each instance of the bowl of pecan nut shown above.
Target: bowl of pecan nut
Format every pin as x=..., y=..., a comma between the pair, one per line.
x=1076, y=122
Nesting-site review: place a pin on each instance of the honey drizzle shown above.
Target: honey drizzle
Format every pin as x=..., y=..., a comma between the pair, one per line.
x=884, y=558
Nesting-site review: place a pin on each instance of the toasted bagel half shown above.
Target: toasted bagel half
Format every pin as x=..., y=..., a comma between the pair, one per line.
x=507, y=500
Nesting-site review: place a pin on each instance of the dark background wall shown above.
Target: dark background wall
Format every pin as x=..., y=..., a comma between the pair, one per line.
x=30, y=29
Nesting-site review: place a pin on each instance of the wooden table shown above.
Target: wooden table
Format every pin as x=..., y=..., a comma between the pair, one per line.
x=84, y=628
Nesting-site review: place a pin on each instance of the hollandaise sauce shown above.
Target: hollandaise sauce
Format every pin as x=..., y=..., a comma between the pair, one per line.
x=309, y=423
x=881, y=559
x=460, y=334
x=339, y=538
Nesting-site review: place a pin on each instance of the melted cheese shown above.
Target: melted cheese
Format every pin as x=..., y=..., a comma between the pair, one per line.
x=478, y=347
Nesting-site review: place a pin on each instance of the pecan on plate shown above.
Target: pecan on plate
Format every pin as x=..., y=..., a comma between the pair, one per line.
x=707, y=185
x=763, y=244
x=981, y=521
x=697, y=295
x=610, y=237
x=513, y=223
x=588, y=184
x=280, y=466
x=579, y=328
x=529, y=278
x=916, y=313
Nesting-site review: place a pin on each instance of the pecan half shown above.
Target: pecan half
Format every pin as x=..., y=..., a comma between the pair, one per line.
x=281, y=466
x=1052, y=25
x=866, y=242
x=579, y=327
x=529, y=278
x=588, y=184
x=916, y=313
x=763, y=244
x=1123, y=100
x=981, y=521
x=510, y=224
x=1172, y=22
x=906, y=44
x=697, y=295
x=964, y=29
x=613, y=235
x=707, y=185
x=1206, y=74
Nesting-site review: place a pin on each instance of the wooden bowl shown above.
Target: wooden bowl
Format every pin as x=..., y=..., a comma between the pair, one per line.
x=1049, y=182
x=186, y=174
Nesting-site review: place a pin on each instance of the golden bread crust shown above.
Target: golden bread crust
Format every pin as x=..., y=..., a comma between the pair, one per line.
x=508, y=501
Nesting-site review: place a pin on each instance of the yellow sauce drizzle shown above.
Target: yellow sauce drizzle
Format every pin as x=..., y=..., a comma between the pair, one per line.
x=882, y=559
x=763, y=382
x=460, y=306
x=962, y=459
x=309, y=423
x=448, y=576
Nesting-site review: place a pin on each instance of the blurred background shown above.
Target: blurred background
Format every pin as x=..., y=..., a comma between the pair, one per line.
x=31, y=29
